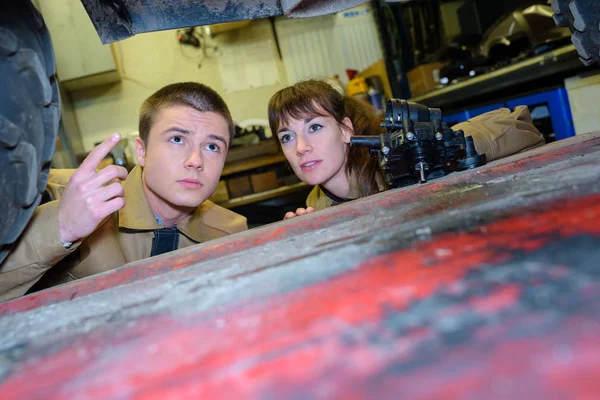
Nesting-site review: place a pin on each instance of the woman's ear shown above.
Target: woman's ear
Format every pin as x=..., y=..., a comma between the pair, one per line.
x=347, y=130
x=140, y=151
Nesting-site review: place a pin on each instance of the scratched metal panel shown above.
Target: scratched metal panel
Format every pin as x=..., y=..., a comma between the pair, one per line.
x=483, y=284
x=119, y=19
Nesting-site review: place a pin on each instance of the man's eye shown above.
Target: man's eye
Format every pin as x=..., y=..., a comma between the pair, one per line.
x=285, y=138
x=212, y=147
x=176, y=139
x=315, y=127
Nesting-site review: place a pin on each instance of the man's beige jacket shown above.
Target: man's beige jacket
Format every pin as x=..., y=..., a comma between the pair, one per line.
x=38, y=257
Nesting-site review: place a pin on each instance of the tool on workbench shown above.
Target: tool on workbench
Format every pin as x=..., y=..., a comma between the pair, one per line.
x=417, y=146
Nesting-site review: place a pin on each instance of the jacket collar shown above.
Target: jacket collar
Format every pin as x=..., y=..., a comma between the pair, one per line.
x=137, y=215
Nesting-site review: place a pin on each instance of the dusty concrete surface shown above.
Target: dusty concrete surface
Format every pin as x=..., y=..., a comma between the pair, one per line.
x=421, y=291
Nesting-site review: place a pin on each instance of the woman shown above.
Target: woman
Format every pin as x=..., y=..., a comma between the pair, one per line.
x=313, y=123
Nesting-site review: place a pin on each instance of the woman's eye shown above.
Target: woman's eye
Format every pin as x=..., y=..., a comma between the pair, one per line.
x=176, y=139
x=212, y=147
x=285, y=138
x=315, y=128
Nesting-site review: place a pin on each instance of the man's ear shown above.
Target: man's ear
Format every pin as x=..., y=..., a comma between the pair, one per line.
x=140, y=151
x=347, y=130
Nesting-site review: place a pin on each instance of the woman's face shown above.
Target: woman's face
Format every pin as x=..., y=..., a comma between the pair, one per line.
x=316, y=148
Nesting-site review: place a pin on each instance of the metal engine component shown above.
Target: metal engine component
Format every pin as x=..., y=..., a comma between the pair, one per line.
x=417, y=146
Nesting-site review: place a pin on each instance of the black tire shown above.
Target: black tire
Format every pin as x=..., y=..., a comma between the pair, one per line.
x=582, y=17
x=29, y=115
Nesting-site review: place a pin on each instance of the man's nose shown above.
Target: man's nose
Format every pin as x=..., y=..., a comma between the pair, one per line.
x=194, y=160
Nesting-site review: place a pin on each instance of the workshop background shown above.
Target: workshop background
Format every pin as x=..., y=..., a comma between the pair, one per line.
x=466, y=57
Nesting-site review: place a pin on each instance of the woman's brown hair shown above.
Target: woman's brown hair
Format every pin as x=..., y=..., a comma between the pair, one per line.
x=315, y=97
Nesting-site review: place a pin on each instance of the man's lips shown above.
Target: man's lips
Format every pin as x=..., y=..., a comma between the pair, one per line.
x=309, y=165
x=190, y=183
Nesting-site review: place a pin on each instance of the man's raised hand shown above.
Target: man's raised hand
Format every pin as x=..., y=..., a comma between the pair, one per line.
x=89, y=196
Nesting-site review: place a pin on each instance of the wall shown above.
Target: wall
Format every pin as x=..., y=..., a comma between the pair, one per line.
x=328, y=45
x=150, y=61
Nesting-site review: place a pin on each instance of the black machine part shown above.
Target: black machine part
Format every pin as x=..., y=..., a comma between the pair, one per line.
x=417, y=146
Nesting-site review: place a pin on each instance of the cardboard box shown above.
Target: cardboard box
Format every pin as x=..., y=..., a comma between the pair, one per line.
x=424, y=78
x=240, y=186
x=264, y=181
x=221, y=193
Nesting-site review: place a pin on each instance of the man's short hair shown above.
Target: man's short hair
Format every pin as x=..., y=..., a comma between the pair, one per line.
x=191, y=94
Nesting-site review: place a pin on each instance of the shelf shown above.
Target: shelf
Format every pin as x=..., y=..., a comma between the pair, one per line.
x=560, y=60
x=251, y=163
x=269, y=194
x=240, y=153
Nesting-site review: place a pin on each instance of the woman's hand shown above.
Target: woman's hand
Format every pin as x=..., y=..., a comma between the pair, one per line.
x=90, y=196
x=299, y=212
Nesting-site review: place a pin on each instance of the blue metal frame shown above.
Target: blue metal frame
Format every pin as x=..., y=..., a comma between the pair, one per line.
x=467, y=114
x=558, y=105
x=455, y=118
x=482, y=110
x=557, y=101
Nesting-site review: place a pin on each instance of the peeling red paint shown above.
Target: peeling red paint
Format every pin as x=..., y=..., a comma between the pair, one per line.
x=290, y=342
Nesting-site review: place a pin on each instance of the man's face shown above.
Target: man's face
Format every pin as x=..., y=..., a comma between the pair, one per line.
x=184, y=156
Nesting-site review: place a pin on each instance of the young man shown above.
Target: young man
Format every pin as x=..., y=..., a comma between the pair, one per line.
x=96, y=224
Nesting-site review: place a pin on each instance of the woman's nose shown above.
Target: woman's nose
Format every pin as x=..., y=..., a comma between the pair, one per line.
x=302, y=146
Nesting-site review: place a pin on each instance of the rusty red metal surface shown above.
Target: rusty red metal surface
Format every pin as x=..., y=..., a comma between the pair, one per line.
x=484, y=284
